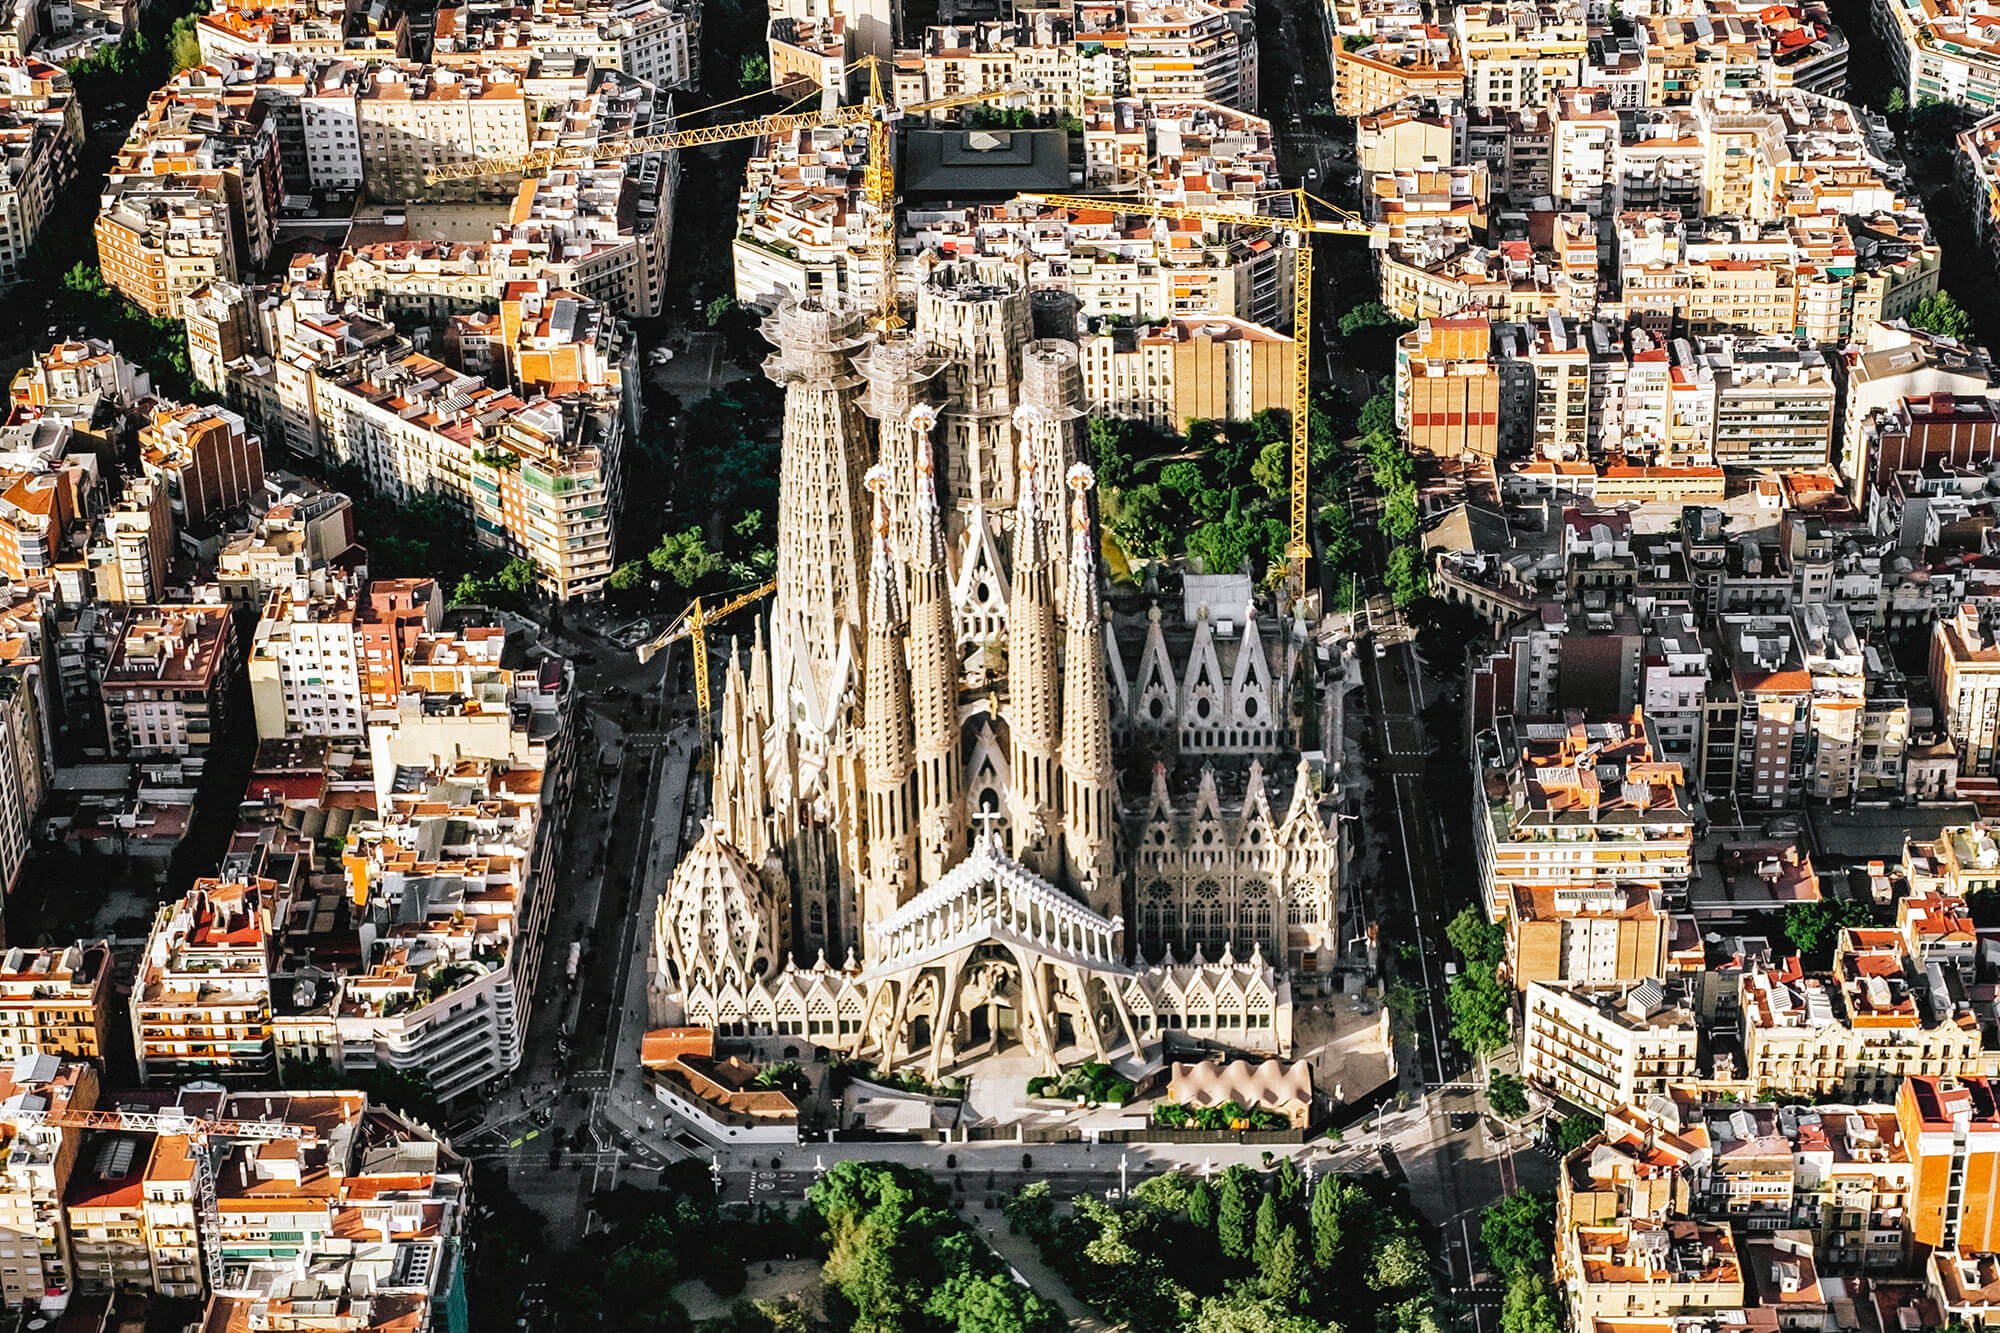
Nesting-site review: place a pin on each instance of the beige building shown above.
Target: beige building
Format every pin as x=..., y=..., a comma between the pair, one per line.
x=1422, y=66
x=201, y=998
x=1965, y=673
x=35, y=1260
x=1855, y=1033
x=1448, y=388
x=1609, y=1046
x=157, y=245
x=56, y=1001
x=1213, y=368
x=413, y=119
x=41, y=133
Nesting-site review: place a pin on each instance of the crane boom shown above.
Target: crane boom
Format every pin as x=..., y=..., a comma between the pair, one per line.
x=204, y=1137
x=783, y=123
x=1303, y=225
x=693, y=624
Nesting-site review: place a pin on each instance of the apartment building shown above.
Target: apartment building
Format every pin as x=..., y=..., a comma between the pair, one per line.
x=1721, y=44
x=329, y=648
x=131, y=547
x=41, y=133
x=1858, y=1032
x=199, y=128
x=411, y=119
x=296, y=526
x=1774, y=403
x=1419, y=65
x=434, y=888
x=426, y=280
x=165, y=683
x=35, y=1171
x=653, y=40
x=206, y=459
x=1208, y=367
x=1842, y=1176
x=159, y=239
x=1595, y=934
x=1965, y=676
x=201, y=998
x=537, y=478
x=1448, y=387
x=1609, y=1046
x=56, y=1001
x=25, y=765
x=305, y=660
x=1943, y=50
x=1518, y=55
x=1571, y=802
x=1951, y=1131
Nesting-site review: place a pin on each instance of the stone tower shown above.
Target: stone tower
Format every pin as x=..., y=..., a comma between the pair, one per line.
x=1047, y=422
x=816, y=614
x=887, y=761
x=941, y=815
x=1032, y=713
x=899, y=373
x=1090, y=776
x=978, y=319
x=822, y=530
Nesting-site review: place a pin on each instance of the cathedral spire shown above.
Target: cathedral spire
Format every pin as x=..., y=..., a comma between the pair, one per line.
x=1090, y=778
x=933, y=672
x=886, y=759
x=1031, y=683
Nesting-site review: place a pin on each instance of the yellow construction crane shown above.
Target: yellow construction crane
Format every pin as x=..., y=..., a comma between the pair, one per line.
x=694, y=624
x=1303, y=225
x=206, y=1138
x=879, y=182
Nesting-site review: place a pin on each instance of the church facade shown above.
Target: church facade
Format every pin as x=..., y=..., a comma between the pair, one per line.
x=1010, y=816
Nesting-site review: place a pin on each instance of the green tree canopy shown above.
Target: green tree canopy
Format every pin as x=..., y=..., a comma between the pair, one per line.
x=1941, y=315
x=1507, y=1095
x=1519, y=1232
x=1476, y=939
x=1480, y=1005
x=1531, y=1306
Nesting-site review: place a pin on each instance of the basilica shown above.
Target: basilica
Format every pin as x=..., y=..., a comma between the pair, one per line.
x=962, y=802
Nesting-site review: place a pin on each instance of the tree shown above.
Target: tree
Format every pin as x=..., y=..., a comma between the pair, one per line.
x=1291, y=1185
x=719, y=309
x=1519, y=1232
x=1941, y=315
x=628, y=577
x=684, y=558
x=1476, y=939
x=1370, y=315
x=1578, y=1129
x=1244, y=1311
x=1399, y=1263
x=1144, y=523
x=1896, y=103
x=1530, y=1306
x=1378, y=414
x=1507, y=1095
x=1233, y=1224
x=1284, y=1268
x=1399, y=513
x=754, y=73
x=1201, y=1208
x=1267, y=1231
x=1337, y=1211
x=1273, y=469
x=1405, y=575
x=1480, y=1005
x=1406, y=1004
x=1111, y=451
x=1812, y=928
x=183, y=46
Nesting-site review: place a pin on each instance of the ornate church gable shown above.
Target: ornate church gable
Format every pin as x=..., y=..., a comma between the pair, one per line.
x=979, y=594
x=1250, y=716
x=986, y=776
x=1156, y=706
x=1203, y=708
x=1256, y=835
x=1208, y=840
